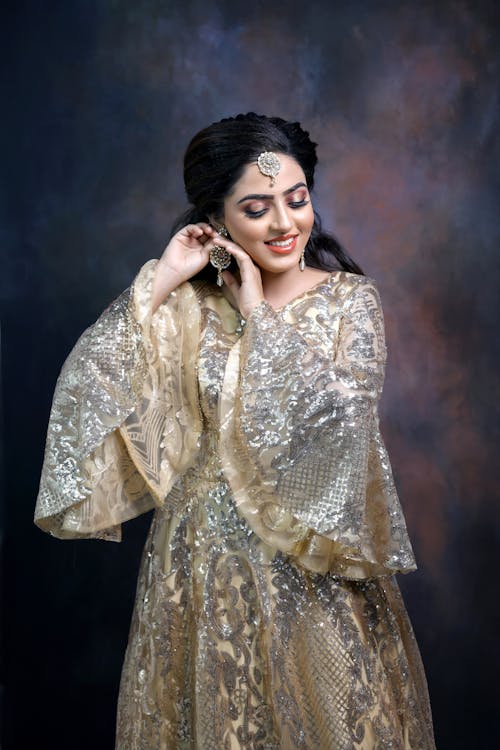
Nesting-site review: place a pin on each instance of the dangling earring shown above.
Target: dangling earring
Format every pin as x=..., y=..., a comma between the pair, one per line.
x=302, y=261
x=219, y=256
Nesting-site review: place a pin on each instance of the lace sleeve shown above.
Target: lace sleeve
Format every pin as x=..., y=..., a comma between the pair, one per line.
x=316, y=480
x=124, y=419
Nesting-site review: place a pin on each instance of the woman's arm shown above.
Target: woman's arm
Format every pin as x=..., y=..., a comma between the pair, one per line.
x=316, y=478
x=123, y=419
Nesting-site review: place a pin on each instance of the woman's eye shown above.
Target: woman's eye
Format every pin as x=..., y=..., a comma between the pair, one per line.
x=298, y=204
x=256, y=210
x=298, y=199
x=254, y=213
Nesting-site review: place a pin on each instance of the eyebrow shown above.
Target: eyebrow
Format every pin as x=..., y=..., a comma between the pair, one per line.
x=262, y=197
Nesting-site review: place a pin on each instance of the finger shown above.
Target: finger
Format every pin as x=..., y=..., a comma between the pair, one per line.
x=245, y=263
x=208, y=232
x=207, y=228
x=199, y=232
x=190, y=231
x=231, y=283
x=204, y=239
x=199, y=228
x=232, y=288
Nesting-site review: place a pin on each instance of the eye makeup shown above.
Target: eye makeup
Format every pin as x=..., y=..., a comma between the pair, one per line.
x=256, y=209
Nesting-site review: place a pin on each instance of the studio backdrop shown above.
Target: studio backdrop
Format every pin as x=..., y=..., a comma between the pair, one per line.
x=101, y=99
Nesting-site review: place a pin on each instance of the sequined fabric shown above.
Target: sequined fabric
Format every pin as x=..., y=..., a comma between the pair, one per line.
x=267, y=616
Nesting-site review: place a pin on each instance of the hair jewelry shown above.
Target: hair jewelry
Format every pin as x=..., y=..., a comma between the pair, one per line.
x=269, y=165
x=219, y=256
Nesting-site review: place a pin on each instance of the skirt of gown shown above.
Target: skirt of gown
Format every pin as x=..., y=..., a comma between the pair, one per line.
x=233, y=646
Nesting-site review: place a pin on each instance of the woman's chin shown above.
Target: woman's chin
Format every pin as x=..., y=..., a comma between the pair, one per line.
x=278, y=262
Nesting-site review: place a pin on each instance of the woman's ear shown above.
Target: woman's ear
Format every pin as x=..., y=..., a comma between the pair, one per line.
x=219, y=226
x=216, y=222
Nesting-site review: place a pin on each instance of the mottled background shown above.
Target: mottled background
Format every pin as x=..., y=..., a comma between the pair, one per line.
x=100, y=100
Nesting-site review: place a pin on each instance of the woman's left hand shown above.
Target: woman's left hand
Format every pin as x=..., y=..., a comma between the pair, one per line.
x=247, y=293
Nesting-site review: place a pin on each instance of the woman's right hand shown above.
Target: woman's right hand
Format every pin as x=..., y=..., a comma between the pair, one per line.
x=185, y=255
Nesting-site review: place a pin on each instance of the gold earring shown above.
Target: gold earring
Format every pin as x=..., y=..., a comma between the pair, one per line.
x=219, y=256
x=302, y=261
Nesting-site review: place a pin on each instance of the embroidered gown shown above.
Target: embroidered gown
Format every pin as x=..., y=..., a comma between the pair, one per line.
x=267, y=614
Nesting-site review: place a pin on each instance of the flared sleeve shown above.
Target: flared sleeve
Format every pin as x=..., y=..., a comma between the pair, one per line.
x=300, y=435
x=125, y=418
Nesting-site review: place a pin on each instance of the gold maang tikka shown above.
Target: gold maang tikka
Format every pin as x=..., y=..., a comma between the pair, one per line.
x=219, y=256
x=269, y=165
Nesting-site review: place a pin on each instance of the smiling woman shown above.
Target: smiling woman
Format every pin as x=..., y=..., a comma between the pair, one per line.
x=267, y=613
x=273, y=227
x=270, y=224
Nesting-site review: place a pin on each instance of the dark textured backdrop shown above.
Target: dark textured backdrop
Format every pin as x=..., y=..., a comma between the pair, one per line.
x=100, y=100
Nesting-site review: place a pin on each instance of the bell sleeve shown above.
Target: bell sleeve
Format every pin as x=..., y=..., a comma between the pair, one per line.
x=301, y=444
x=125, y=419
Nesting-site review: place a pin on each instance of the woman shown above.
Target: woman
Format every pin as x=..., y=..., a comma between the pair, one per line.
x=245, y=412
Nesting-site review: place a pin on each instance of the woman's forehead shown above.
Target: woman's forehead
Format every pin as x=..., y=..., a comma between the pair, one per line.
x=253, y=181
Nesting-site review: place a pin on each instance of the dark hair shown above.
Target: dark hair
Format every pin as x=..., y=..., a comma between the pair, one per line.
x=215, y=160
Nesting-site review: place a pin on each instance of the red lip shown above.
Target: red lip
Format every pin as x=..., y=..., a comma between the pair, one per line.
x=283, y=250
x=281, y=238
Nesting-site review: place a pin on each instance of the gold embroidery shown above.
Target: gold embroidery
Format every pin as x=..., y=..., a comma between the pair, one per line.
x=259, y=445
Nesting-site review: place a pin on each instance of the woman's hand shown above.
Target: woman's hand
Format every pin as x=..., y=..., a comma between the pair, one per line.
x=247, y=293
x=185, y=255
x=189, y=251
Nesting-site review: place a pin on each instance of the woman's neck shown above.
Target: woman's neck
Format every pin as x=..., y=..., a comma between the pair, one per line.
x=281, y=288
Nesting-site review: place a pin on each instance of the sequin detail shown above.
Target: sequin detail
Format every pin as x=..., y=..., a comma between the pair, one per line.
x=240, y=640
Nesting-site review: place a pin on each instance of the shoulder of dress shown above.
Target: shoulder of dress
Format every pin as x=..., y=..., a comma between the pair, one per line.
x=351, y=286
x=353, y=280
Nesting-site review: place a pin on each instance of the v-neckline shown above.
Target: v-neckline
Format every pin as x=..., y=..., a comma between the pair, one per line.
x=325, y=280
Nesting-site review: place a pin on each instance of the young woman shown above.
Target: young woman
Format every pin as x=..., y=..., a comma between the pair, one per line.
x=245, y=413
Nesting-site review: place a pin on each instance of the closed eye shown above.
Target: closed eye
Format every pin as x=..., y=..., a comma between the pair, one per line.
x=255, y=214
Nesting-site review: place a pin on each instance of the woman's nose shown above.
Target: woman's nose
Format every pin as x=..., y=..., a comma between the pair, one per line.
x=281, y=221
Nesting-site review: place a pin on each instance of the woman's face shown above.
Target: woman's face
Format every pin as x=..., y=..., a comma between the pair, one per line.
x=272, y=224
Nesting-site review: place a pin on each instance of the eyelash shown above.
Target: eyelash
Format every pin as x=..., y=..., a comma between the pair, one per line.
x=258, y=214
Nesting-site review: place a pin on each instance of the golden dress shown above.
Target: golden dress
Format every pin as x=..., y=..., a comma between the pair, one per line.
x=267, y=614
